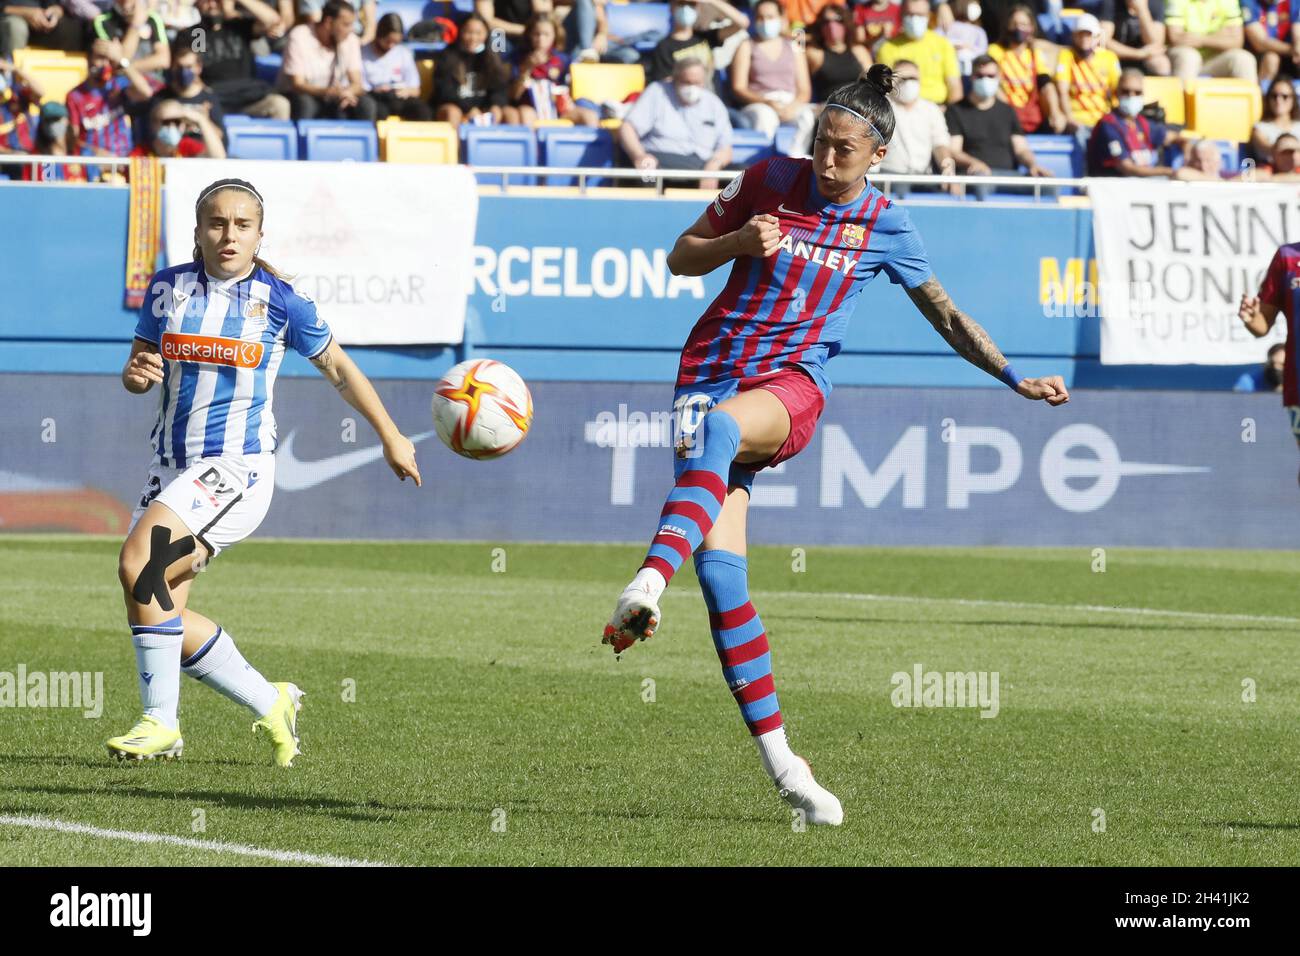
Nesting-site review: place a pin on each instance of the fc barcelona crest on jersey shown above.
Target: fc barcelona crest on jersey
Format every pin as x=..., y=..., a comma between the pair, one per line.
x=853, y=234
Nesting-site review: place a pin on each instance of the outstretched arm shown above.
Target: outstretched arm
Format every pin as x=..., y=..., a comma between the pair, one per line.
x=350, y=382
x=969, y=340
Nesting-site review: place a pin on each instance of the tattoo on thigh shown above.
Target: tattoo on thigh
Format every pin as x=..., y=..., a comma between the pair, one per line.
x=163, y=553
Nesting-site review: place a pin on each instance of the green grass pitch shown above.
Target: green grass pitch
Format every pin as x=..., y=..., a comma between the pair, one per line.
x=483, y=698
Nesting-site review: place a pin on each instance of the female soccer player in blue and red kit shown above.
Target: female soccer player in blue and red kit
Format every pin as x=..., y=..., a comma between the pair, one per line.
x=805, y=237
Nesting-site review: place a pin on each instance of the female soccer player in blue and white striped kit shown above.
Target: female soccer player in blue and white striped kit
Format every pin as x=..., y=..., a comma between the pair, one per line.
x=805, y=237
x=212, y=334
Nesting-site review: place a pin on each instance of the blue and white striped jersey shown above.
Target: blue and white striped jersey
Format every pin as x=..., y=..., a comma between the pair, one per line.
x=222, y=342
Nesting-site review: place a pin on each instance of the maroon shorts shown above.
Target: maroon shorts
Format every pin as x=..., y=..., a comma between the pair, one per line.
x=801, y=398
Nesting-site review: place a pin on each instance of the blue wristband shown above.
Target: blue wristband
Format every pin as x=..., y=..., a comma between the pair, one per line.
x=1008, y=375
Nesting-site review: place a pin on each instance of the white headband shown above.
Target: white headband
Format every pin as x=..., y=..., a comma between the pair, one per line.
x=852, y=112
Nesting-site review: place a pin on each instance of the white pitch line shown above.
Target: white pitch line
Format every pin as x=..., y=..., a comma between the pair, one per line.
x=214, y=846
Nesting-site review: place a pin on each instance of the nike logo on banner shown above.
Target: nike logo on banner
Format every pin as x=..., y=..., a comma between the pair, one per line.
x=294, y=475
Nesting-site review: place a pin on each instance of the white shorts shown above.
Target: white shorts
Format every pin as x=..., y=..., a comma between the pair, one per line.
x=220, y=500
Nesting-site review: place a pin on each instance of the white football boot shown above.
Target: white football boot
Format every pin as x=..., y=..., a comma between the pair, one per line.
x=798, y=788
x=636, y=616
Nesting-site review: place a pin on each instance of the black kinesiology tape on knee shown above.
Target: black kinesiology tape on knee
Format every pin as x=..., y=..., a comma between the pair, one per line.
x=163, y=553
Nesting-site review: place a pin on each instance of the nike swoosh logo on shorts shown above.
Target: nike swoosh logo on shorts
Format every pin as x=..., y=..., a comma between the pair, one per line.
x=292, y=474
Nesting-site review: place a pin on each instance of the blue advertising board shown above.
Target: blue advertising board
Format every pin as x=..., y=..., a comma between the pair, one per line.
x=887, y=467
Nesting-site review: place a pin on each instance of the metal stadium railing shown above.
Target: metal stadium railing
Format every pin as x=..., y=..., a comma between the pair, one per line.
x=1040, y=189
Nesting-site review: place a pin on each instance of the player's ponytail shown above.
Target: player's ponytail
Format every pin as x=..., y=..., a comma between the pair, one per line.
x=221, y=185
x=868, y=99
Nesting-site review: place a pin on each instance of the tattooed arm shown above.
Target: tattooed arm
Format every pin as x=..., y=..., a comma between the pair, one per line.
x=350, y=382
x=969, y=340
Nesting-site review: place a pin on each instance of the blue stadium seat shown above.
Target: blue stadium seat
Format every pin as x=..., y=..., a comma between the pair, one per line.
x=252, y=138
x=411, y=11
x=636, y=21
x=500, y=146
x=748, y=146
x=784, y=139
x=335, y=140
x=575, y=146
x=1060, y=154
x=267, y=68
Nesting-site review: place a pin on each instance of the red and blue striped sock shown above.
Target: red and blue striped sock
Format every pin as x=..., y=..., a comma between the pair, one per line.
x=696, y=499
x=739, y=638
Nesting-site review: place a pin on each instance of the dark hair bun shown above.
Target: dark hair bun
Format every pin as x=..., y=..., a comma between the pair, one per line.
x=880, y=78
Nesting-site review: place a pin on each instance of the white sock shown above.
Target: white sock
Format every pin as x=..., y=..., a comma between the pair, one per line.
x=219, y=664
x=650, y=580
x=775, y=752
x=158, y=667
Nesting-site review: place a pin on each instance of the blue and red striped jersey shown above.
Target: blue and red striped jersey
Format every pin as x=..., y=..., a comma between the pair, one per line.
x=792, y=307
x=1281, y=288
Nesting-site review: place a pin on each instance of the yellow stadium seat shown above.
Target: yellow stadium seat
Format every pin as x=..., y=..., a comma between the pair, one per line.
x=610, y=124
x=1168, y=92
x=56, y=72
x=606, y=82
x=426, y=78
x=437, y=143
x=1223, y=109
x=552, y=122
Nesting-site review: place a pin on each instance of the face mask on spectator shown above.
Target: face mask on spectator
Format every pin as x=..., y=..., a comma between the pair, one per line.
x=689, y=93
x=769, y=28
x=169, y=135
x=973, y=12
x=183, y=76
x=1131, y=105
x=685, y=16
x=908, y=91
x=1020, y=35
x=915, y=25
x=833, y=31
x=476, y=50
x=57, y=130
x=985, y=87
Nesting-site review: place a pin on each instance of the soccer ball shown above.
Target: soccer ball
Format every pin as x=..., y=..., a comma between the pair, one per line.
x=482, y=409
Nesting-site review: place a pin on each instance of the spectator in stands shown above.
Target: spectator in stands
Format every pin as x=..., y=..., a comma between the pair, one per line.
x=769, y=78
x=1268, y=377
x=1281, y=166
x=966, y=35
x=834, y=59
x=690, y=40
x=921, y=140
x=185, y=86
x=471, y=82
x=224, y=38
x=1126, y=143
x=321, y=74
x=52, y=137
x=390, y=76
x=1206, y=37
x=1268, y=28
x=1204, y=164
x=97, y=107
x=1280, y=116
x=986, y=136
x=181, y=131
x=584, y=21
x=364, y=26
x=39, y=23
x=875, y=21
x=1138, y=35
x=678, y=124
x=1026, y=73
x=1087, y=75
x=932, y=54
x=540, y=87
x=141, y=32
x=177, y=15
x=19, y=93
